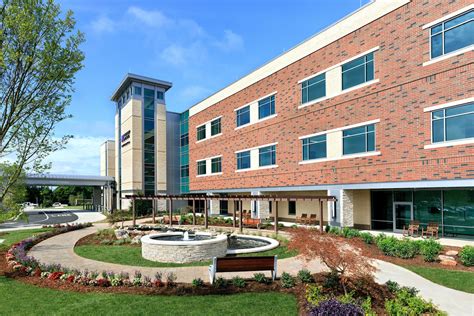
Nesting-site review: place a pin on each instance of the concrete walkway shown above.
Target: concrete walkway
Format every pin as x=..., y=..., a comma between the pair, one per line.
x=60, y=249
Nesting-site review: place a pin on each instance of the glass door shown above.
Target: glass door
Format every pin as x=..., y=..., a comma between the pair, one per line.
x=402, y=215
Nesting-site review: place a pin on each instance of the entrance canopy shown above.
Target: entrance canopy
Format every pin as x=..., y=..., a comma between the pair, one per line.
x=237, y=198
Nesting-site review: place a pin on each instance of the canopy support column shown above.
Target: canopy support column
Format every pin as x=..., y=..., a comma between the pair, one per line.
x=170, y=211
x=241, y=224
x=206, y=219
x=233, y=215
x=153, y=205
x=134, y=218
x=276, y=217
x=321, y=203
x=194, y=212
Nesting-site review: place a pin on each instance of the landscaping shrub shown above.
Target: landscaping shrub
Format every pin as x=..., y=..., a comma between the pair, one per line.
x=401, y=248
x=314, y=294
x=327, y=228
x=198, y=282
x=335, y=230
x=220, y=283
x=392, y=286
x=238, y=282
x=350, y=232
x=287, y=281
x=260, y=278
x=158, y=279
x=430, y=249
x=407, y=303
x=137, y=279
x=334, y=307
x=332, y=280
x=170, y=279
x=467, y=256
x=367, y=238
x=305, y=276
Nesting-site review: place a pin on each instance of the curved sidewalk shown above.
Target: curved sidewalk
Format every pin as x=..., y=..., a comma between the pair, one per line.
x=60, y=249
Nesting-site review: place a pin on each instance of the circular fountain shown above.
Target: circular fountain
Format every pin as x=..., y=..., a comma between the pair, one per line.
x=183, y=247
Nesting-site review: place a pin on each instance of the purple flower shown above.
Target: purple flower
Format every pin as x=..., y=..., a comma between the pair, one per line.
x=333, y=307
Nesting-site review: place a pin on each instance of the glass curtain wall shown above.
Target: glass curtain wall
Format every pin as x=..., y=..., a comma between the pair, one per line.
x=184, y=152
x=149, y=140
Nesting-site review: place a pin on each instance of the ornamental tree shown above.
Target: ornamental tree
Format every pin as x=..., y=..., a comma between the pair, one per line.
x=336, y=253
x=39, y=57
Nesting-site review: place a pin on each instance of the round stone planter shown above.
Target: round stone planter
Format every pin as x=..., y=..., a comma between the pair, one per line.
x=183, y=251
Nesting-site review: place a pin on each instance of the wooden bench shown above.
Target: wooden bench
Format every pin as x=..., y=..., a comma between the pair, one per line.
x=254, y=222
x=241, y=264
x=166, y=219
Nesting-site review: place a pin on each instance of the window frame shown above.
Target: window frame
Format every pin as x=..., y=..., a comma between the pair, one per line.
x=216, y=160
x=366, y=133
x=220, y=126
x=443, y=31
x=240, y=158
x=239, y=112
x=201, y=163
x=272, y=151
x=323, y=75
x=364, y=65
x=267, y=101
x=198, y=130
x=289, y=208
x=432, y=119
x=316, y=142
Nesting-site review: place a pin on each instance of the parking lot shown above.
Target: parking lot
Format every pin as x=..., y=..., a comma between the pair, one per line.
x=42, y=217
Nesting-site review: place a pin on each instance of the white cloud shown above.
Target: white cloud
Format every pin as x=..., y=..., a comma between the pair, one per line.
x=103, y=24
x=81, y=156
x=153, y=18
x=194, y=92
x=231, y=42
x=179, y=55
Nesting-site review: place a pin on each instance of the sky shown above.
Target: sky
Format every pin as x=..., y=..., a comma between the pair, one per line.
x=200, y=46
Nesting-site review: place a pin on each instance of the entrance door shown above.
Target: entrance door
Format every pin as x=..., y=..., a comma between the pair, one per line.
x=402, y=215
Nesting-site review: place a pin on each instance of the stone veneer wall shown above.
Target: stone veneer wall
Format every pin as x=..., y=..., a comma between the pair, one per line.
x=347, y=208
x=184, y=253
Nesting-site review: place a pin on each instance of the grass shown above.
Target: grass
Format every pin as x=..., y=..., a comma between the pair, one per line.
x=15, y=236
x=23, y=299
x=458, y=280
x=130, y=255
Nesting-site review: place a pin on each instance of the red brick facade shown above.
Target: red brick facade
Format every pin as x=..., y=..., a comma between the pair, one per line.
x=405, y=88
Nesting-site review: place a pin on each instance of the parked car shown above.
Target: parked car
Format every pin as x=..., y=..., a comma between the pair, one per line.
x=57, y=204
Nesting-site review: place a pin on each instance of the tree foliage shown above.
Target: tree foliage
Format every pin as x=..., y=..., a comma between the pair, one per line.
x=336, y=253
x=39, y=57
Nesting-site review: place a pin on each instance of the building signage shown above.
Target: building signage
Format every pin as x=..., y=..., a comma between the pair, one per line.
x=126, y=139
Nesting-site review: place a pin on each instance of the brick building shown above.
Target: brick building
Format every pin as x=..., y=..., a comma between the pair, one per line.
x=377, y=110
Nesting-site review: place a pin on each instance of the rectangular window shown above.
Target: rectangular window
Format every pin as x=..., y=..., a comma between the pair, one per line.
x=216, y=165
x=243, y=160
x=137, y=91
x=201, y=132
x=358, y=71
x=201, y=167
x=243, y=116
x=359, y=139
x=266, y=107
x=314, y=147
x=453, y=34
x=184, y=171
x=216, y=127
x=291, y=207
x=267, y=156
x=453, y=123
x=313, y=88
x=160, y=95
x=184, y=140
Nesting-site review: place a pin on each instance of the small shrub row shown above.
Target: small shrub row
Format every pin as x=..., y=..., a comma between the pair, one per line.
x=466, y=255
x=406, y=248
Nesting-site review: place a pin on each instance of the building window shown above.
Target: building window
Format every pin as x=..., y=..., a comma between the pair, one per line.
x=266, y=107
x=358, y=71
x=137, y=91
x=201, y=132
x=453, y=34
x=267, y=156
x=216, y=165
x=243, y=160
x=160, y=95
x=201, y=167
x=184, y=171
x=314, y=147
x=184, y=140
x=243, y=116
x=313, y=88
x=359, y=139
x=216, y=127
x=453, y=123
x=291, y=207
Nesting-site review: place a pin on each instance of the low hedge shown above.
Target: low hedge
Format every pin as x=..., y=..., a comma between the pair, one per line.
x=466, y=255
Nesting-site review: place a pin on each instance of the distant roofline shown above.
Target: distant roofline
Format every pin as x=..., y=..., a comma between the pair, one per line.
x=129, y=78
x=368, y=13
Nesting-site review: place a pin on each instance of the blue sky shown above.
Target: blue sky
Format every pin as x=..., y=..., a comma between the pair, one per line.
x=200, y=46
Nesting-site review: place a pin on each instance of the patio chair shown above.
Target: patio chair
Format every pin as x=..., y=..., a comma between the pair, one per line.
x=312, y=220
x=412, y=229
x=431, y=230
x=302, y=219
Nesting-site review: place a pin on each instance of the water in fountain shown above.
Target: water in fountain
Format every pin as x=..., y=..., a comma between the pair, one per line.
x=186, y=235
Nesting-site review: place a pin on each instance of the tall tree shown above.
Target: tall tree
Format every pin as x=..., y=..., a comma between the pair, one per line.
x=39, y=57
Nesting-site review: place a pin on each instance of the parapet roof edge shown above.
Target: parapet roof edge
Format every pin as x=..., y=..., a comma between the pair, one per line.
x=129, y=77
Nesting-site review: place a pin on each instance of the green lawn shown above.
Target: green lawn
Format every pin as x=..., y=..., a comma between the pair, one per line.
x=15, y=236
x=129, y=255
x=24, y=299
x=458, y=280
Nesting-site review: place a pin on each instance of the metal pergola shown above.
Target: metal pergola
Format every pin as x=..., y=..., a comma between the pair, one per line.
x=235, y=198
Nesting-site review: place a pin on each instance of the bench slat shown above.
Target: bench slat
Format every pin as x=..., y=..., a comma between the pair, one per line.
x=238, y=264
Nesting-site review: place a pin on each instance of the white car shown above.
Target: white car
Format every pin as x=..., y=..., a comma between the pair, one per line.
x=57, y=204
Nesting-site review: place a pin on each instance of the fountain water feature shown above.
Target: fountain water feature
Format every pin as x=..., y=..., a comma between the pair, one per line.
x=186, y=236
